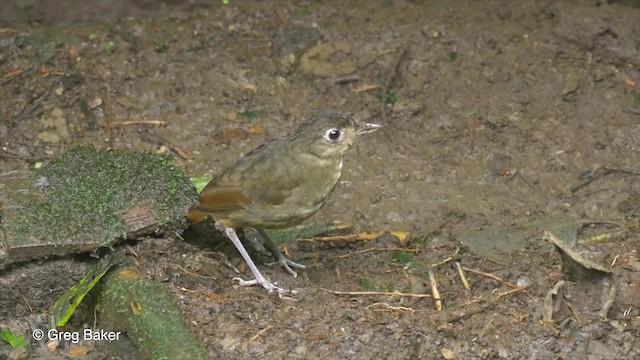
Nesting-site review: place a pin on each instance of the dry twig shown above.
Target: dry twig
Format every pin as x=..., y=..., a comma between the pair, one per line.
x=499, y=279
x=632, y=111
x=160, y=123
x=160, y=141
x=377, y=249
x=434, y=291
x=391, y=76
x=463, y=277
x=598, y=173
x=109, y=119
x=256, y=336
x=573, y=311
x=507, y=293
x=389, y=307
x=194, y=274
x=375, y=293
x=447, y=259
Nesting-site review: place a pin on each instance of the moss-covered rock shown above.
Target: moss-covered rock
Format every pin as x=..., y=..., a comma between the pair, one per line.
x=89, y=198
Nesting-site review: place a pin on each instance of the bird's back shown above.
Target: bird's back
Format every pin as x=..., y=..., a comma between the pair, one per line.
x=270, y=187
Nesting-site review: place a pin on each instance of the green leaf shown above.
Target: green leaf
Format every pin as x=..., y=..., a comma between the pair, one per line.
x=64, y=307
x=200, y=182
x=12, y=339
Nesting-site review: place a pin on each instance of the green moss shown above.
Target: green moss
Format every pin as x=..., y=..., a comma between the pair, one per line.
x=366, y=284
x=85, y=193
x=146, y=311
x=404, y=258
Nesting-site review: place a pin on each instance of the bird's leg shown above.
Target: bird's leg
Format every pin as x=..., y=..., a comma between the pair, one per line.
x=282, y=260
x=259, y=279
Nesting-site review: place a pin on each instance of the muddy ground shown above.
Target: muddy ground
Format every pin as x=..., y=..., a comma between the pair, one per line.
x=502, y=119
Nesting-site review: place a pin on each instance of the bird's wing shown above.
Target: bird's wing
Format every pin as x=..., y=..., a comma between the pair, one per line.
x=222, y=195
x=258, y=177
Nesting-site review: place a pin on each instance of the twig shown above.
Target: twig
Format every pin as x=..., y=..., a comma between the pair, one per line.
x=377, y=249
x=348, y=237
x=463, y=277
x=223, y=258
x=613, y=262
x=365, y=88
x=194, y=274
x=256, y=336
x=160, y=123
x=393, y=72
x=573, y=311
x=598, y=173
x=434, y=291
x=27, y=303
x=157, y=139
x=109, y=119
x=507, y=293
x=632, y=111
x=391, y=76
x=391, y=307
x=32, y=104
x=347, y=79
x=375, y=293
x=466, y=315
x=499, y=279
x=447, y=259
x=8, y=77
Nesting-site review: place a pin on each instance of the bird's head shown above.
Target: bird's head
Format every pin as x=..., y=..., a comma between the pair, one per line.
x=329, y=134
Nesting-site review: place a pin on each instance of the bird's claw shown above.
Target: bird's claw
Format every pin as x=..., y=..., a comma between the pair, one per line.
x=287, y=264
x=270, y=287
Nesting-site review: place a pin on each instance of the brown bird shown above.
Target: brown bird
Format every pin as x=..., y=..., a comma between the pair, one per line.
x=280, y=184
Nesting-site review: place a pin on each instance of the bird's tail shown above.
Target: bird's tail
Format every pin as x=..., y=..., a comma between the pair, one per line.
x=196, y=215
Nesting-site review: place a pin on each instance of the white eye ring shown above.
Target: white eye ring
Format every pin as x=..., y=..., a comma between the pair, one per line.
x=333, y=135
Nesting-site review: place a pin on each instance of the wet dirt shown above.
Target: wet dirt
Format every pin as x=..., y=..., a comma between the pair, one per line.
x=502, y=119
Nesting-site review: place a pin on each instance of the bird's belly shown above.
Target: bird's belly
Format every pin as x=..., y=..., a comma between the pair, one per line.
x=294, y=210
x=273, y=217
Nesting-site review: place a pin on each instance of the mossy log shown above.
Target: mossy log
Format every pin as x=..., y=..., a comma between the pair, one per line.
x=146, y=312
x=86, y=199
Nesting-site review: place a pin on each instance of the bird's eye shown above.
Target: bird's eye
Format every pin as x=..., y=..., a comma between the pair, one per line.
x=332, y=134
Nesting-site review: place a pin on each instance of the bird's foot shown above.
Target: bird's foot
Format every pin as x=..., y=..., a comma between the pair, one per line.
x=287, y=264
x=282, y=260
x=259, y=278
x=269, y=286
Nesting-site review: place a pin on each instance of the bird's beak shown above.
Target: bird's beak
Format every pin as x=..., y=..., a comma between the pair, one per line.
x=367, y=128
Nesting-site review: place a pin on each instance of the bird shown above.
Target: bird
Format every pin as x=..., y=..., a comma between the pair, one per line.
x=280, y=184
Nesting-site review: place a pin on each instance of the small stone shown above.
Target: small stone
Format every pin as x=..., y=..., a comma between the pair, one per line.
x=229, y=343
x=301, y=350
x=447, y=354
x=49, y=137
x=95, y=103
x=18, y=354
x=256, y=129
x=53, y=345
x=288, y=60
x=250, y=88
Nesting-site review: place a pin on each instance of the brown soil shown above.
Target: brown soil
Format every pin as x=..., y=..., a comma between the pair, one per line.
x=502, y=119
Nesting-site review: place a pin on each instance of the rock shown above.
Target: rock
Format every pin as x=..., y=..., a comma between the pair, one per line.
x=317, y=60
